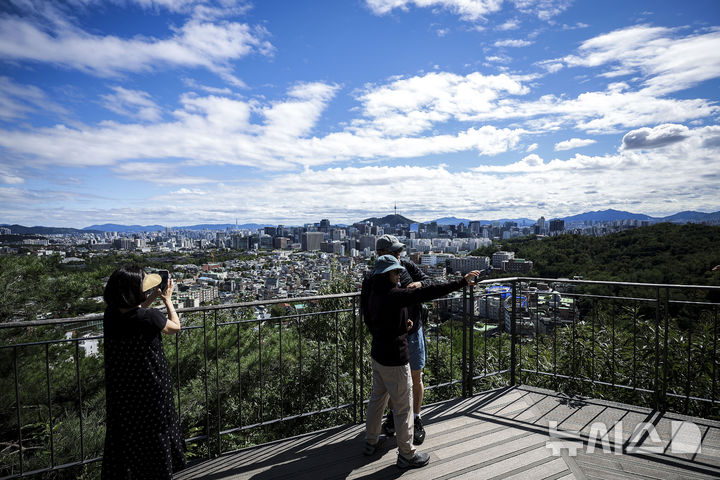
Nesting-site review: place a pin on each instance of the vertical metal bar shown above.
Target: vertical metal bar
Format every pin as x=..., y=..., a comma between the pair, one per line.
x=501, y=328
x=354, y=363
x=689, y=371
x=260, y=376
x=300, y=363
x=714, y=356
x=79, y=389
x=240, y=383
x=485, y=336
x=537, y=332
x=464, y=374
x=592, y=343
x=513, y=319
x=555, y=329
x=656, y=383
x=282, y=371
x=17, y=411
x=361, y=364
x=337, y=362
x=471, y=360
x=572, y=347
x=319, y=361
x=518, y=336
x=50, y=412
x=217, y=385
x=614, y=314
x=205, y=382
x=665, y=353
x=452, y=341
x=634, y=369
x=177, y=370
x=437, y=336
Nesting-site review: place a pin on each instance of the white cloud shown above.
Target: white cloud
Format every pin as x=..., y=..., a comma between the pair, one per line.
x=132, y=103
x=667, y=61
x=18, y=101
x=573, y=143
x=511, y=24
x=512, y=43
x=213, y=130
x=412, y=105
x=196, y=44
x=660, y=136
x=531, y=185
x=532, y=147
x=474, y=10
x=471, y=10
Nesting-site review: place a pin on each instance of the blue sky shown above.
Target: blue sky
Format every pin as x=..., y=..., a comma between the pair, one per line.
x=180, y=112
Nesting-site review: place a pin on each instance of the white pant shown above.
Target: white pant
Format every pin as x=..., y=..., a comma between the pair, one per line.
x=394, y=383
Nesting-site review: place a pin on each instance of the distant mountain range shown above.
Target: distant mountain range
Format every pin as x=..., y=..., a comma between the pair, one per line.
x=112, y=227
x=595, y=216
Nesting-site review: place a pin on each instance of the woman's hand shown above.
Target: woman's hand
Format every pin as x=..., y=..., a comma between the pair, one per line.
x=167, y=294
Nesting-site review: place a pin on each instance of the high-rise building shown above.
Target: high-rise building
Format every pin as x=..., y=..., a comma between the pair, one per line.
x=499, y=257
x=311, y=241
x=468, y=264
x=557, y=225
x=367, y=241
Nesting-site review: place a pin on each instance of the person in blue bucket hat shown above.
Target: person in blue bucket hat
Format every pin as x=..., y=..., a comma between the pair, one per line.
x=385, y=312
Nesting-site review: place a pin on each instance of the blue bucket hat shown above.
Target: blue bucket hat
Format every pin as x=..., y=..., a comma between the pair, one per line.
x=385, y=263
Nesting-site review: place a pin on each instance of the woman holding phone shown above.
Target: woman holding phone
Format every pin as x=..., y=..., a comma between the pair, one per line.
x=142, y=438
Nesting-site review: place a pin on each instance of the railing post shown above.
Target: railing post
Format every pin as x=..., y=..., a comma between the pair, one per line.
x=471, y=365
x=656, y=385
x=513, y=314
x=354, y=363
x=463, y=373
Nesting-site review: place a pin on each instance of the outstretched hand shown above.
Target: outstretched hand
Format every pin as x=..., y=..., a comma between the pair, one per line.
x=472, y=277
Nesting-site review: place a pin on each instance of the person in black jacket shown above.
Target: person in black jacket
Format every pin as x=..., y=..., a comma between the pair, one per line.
x=411, y=277
x=385, y=309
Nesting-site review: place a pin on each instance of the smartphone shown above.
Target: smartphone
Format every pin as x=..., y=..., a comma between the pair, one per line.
x=164, y=275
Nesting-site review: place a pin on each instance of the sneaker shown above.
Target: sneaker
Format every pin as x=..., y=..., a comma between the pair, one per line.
x=418, y=432
x=370, y=448
x=419, y=460
x=388, y=426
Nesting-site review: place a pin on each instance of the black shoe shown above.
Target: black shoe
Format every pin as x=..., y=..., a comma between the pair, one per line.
x=388, y=426
x=419, y=460
x=418, y=432
x=370, y=449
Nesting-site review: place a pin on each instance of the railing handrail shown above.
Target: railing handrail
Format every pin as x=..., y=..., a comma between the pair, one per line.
x=208, y=308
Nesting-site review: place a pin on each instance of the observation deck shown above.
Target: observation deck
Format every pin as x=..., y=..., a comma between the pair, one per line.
x=589, y=379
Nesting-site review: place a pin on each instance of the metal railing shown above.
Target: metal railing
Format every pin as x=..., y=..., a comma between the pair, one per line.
x=242, y=376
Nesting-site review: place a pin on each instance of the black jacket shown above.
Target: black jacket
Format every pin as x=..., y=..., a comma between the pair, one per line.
x=412, y=273
x=386, y=314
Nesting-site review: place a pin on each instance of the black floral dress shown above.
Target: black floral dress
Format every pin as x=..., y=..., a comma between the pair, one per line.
x=143, y=438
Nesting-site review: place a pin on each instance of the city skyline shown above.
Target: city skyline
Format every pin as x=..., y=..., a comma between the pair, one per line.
x=155, y=111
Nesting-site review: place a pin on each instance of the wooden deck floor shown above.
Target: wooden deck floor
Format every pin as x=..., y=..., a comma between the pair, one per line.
x=502, y=434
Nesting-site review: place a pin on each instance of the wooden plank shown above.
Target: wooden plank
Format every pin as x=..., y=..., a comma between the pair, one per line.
x=545, y=468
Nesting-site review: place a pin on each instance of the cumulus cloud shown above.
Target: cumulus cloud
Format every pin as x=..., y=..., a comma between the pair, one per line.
x=573, y=143
x=215, y=130
x=660, y=136
x=412, y=105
